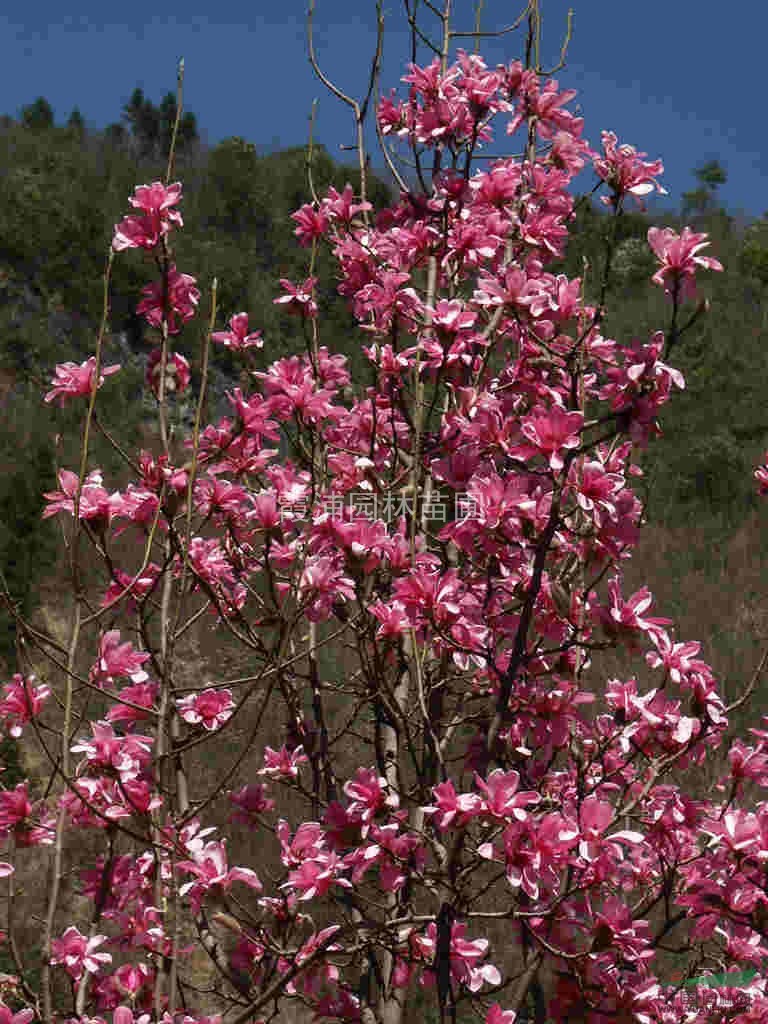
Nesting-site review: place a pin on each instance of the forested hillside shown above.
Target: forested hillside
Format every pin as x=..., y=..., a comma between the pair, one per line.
x=63, y=187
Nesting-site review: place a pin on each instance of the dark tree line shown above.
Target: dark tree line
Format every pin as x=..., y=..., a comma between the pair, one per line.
x=151, y=127
x=148, y=126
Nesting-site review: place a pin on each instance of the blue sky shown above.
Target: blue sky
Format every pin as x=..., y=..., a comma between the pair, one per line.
x=680, y=79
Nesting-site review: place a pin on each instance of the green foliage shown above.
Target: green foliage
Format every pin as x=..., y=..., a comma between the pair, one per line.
x=710, y=176
x=37, y=116
x=716, y=430
x=27, y=544
x=754, y=253
x=61, y=192
x=151, y=127
x=705, y=548
x=76, y=123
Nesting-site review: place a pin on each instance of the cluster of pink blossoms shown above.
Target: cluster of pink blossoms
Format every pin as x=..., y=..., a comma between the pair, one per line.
x=504, y=781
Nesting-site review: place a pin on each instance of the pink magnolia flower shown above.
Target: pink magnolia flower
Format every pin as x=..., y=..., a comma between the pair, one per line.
x=322, y=585
x=76, y=953
x=22, y=701
x=145, y=229
x=451, y=808
x=140, y=507
x=392, y=115
x=748, y=762
x=73, y=381
x=316, y=875
x=496, y=1015
x=142, y=695
x=738, y=831
x=535, y=852
x=211, y=708
x=116, y=660
x=129, y=755
x=761, y=475
x=479, y=85
x=237, y=337
x=368, y=794
x=124, y=1014
x=678, y=659
x=283, y=762
x=338, y=1004
x=595, y=817
x=15, y=807
x=310, y=839
x=16, y=816
x=317, y=976
x=7, y=1016
x=545, y=102
x=614, y=928
x=312, y=223
x=209, y=866
x=217, y=498
x=465, y=957
x=626, y=619
x=625, y=170
x=96, y=505
x=393, y=618
x=448, y=318
x=568, y=153
x=131, y=587
x=501, y=798
x=341, y=207
x=22, y=1017
x=158, y=199
x=430, y=595
x=298, y=298
x=192, y=836
x=250, y=801
x=136, y=232
x=177, y=375
x=211, y=565
x=679, y=260
x=550, y=433
x=142, y=929
x=292, y=386
x=641, y=386
x=382, y=301
x=183, y=297
x=265, y=513
x=157, y=472
x=396, y=854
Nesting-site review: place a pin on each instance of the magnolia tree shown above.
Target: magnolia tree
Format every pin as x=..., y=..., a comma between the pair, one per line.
x=464, y=817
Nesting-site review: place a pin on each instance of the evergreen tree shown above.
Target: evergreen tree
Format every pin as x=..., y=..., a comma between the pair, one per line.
x=115, y=133
x=76, y=123
x=38, y=115
x=145, y=122
x=187, y=131
x=167, y=111
x=755, y=251
x=702, y=199
x=152, y=126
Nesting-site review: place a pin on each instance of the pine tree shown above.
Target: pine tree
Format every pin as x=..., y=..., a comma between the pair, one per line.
x=38, y=115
